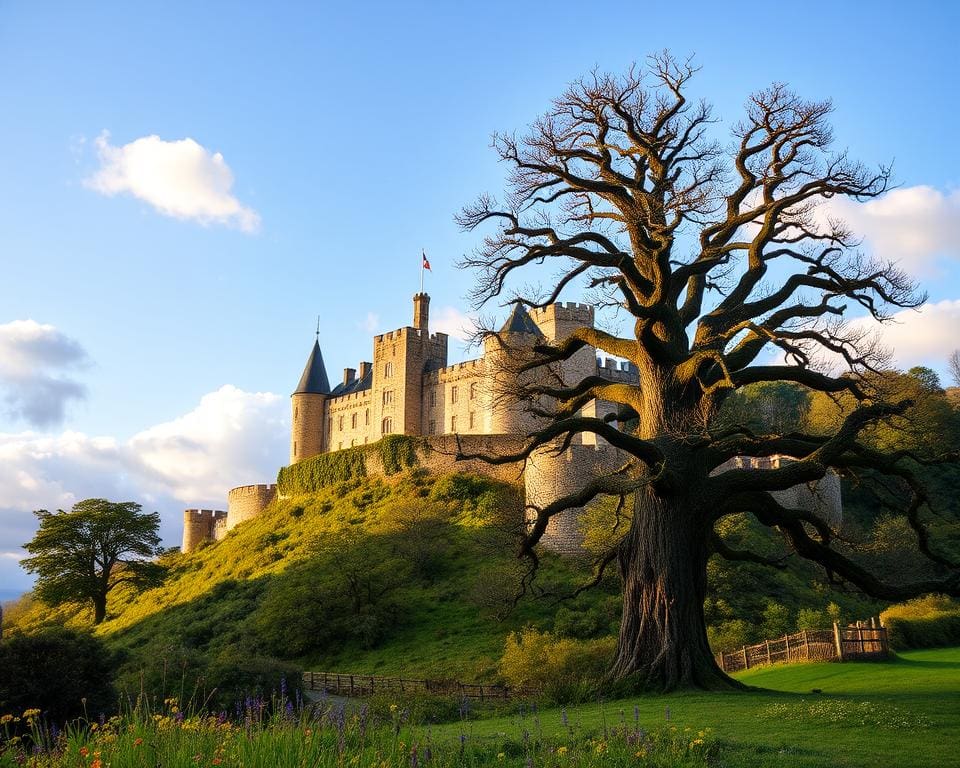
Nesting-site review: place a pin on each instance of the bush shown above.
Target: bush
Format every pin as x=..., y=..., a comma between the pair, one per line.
x=730, y=635
x=928, y=622
x=59, y=671
x=564, y=669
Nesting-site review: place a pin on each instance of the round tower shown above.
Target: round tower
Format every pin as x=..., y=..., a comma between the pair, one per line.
x=308, y=405
x=504, y=354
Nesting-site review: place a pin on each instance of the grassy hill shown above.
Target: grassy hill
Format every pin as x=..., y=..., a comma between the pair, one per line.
x=411, y=574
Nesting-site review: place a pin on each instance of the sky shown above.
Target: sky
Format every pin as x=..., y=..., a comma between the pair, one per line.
x=186, y=187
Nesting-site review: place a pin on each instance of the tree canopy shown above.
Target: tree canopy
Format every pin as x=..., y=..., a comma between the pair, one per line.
x=80, y=556
x=718, y=254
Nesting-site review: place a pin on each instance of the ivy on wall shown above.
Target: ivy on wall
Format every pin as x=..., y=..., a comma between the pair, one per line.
x=396, y=453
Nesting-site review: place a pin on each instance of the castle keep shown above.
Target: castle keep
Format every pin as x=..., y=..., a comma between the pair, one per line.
x=408, y=388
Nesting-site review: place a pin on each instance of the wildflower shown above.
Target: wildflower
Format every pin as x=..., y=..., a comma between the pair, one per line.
x=137, y=742
x=393, y=708
x=216, y=761
x=500, y=755
x=5, y=719
x=84, y=751
x=562, y=750
x=31, y=712
x=96, y=763
x=601, y=747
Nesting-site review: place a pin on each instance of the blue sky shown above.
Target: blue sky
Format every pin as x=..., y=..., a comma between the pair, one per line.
x=352, y=133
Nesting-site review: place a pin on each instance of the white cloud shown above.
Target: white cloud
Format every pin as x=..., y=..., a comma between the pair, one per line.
x=34, y=361
x=925, y=336
x=915, y=226
x=231, y=438
x=179, y=178
x=454, y=323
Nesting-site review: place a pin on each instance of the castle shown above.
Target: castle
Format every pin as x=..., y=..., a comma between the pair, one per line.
x=408, y=388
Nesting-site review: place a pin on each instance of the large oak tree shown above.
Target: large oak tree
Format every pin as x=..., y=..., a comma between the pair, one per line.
x=718, y=254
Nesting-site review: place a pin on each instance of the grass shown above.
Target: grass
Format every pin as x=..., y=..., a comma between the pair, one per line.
x=900, y=714
x=897, y=714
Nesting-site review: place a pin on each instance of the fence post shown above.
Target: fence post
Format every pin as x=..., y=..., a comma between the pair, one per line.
x=746, y=659
x=767, y=644
x=863, y=648
x=786, y=640
x=838, y=641
x=806, y=645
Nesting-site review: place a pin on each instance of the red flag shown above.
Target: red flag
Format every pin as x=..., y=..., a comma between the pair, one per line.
x=426, y=264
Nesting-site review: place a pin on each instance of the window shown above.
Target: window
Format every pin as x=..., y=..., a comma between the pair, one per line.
x=296, y=413
x=432, y=427
x=473, y=392
x=340, y=423
x=453, y=393
x=388, y=370
x=339, y=446
x=387, y=396
x=433, y=397
x=387, y=426
x=453, y=423
x=294, y=447
x=353, y=421
x=366, y=418
x=330, y=426
x=471, y=419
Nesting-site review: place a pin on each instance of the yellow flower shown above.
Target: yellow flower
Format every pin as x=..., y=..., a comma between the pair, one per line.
x=500, y=755
x=561, y=750
x=31, y=712
x=5, y=719
x=393, y=707
x=601, y=748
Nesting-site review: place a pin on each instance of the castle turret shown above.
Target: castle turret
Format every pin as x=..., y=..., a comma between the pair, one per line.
x=421, y=311
x=505, y=352
x=309, y=408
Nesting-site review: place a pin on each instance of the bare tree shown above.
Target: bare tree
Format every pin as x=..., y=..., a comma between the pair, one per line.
x=953, y=365
x=718, y=255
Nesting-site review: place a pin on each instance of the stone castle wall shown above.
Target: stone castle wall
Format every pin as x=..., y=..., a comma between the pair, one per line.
x=200, y=525
x=246, y=502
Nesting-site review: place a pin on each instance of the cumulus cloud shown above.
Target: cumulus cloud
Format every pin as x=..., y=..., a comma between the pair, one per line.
x=178, y=178
x=35, y=365
x=925, y=336
x=915, y=226
x=230, y=438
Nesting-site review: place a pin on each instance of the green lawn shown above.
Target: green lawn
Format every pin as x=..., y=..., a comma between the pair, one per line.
x=900, y=713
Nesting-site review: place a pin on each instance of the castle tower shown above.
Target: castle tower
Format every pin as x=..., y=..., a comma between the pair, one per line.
x=309, y=408
x=421, y=311
x=504, y=354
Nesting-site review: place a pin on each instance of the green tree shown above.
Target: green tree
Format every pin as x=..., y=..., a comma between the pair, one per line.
x=717, y=254
x=80, y=556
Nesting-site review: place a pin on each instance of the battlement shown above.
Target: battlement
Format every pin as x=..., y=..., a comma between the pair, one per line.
x=570, y=310
x=203, y=514
x=248, y=490
x=200, y=525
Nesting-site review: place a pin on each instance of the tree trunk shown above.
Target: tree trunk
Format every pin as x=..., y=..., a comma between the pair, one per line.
x=99, y=608
x=663, y=564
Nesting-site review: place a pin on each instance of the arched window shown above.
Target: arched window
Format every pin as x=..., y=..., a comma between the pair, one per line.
x=340, y=423
x=366, y=417
x=387, y=427
x=388, y=370
x=353, y=421
x=473, y=390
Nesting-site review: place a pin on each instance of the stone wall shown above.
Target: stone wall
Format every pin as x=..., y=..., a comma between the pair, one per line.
x=455, y=400
x=247, y=502
x=350, y=420
x=200, y=525
x=308, y=415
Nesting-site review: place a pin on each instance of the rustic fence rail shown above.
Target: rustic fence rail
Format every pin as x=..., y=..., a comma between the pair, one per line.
x=862, y=640
x=342, y=684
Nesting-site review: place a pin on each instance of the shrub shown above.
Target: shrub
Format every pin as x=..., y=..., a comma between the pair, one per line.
x=57, y=670
x=927, y=622
x=730, y=635
x=776, y=620
x=811, y=618
x=564, y=669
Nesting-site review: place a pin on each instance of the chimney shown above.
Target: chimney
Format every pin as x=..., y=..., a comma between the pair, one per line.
x=421, y=311
x=365, y=369
x=349, y=374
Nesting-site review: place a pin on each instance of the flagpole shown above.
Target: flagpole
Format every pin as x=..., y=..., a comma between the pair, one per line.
x=421, y=270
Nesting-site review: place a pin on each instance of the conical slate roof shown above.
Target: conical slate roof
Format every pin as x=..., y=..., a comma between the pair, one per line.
x=520, y=322
x=314, y=379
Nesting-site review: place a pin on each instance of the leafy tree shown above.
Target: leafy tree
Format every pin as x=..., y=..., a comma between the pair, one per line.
x=953, y=365
x=716, y=253
x=80, y=556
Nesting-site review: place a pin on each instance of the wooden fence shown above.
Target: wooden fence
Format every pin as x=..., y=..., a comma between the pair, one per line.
x=858, y=641
x=340, y=684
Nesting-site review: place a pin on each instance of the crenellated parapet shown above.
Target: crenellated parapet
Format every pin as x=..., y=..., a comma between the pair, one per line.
x=200, y=525
x=248, y=501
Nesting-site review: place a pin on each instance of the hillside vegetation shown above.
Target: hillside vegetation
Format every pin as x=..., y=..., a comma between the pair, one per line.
x=412, y=574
